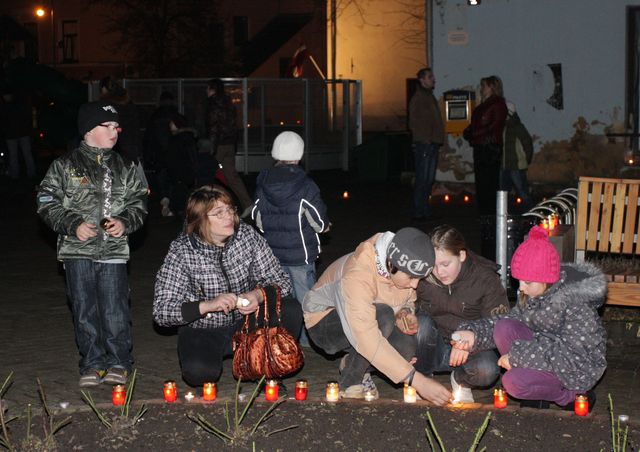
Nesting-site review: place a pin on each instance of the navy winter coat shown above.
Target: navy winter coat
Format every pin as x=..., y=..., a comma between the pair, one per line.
x=290, y=212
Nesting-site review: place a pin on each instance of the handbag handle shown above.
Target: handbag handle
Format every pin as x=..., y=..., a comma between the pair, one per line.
x=245, y=326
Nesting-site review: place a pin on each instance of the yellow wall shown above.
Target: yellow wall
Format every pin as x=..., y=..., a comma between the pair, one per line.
x=380, y=42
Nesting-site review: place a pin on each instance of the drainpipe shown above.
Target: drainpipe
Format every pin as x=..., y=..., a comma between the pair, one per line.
x=428, y=6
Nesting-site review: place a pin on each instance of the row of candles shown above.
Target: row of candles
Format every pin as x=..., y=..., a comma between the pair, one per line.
x=332, y=394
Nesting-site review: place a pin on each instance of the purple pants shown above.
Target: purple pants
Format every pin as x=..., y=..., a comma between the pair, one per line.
x=523, y=383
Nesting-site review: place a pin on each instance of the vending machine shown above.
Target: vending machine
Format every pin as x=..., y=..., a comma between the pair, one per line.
x=457, y=106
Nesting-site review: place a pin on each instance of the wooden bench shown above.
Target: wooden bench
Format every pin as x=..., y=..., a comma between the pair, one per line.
x=607, y=224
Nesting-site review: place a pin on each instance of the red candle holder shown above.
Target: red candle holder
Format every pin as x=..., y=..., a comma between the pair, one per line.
x=302, y=389
x=581, y=405
x=118, y=395
x=271, y=391
x=499, y=398
x=209, y=392
x=170, y=391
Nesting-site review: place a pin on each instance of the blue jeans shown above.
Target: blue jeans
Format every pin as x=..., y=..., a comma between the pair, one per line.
x=426, y=163
x=24, y=143
x=517, y=179
x=329, y=335
x=99, y=297
x=303, y=277
x=480, y=370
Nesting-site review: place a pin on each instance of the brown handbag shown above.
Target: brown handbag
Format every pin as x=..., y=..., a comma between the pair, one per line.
x=269, y=351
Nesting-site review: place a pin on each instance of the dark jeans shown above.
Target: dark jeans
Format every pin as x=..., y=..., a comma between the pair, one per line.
x=480, y=370
x=426, y=163
x=524, y=383
x=486, y=167
x=517, y=179
x=201, y=351
x=99, y=297
x=329, y=335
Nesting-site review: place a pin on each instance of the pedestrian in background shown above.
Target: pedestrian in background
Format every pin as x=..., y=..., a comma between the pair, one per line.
x=485, y=135
x=94, y=199
x=156, y=144
x=427, y=131
x=290, y=212
x=222, y=130
x=516, y=156
x=182, y=160
x=16, y=124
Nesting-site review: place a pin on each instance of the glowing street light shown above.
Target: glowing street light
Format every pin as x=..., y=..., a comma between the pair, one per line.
x=40, y=12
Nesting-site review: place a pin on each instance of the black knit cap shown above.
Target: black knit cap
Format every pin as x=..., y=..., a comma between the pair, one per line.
x=411, y=252
x=93, y=113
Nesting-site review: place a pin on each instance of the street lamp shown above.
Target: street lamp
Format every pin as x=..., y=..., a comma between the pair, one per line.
x=41, y=12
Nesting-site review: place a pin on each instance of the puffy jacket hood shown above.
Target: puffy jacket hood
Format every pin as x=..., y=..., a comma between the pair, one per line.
x=282, y=183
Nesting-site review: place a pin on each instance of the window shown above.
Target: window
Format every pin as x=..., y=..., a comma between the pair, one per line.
x=69, y=41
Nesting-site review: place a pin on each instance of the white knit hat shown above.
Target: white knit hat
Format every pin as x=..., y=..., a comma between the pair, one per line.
x=288, y=146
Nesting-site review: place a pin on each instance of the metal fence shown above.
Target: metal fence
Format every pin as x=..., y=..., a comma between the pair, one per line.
x=326, y=113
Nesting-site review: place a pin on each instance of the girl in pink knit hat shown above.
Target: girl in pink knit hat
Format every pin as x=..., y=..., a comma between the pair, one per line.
x=552, y=343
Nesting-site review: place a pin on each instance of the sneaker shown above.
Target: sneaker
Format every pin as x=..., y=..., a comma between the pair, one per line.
x=353, y=392
x=116, y=376
x=461, y=394
x=91, y=377
x=166, y=211
x=370, y=386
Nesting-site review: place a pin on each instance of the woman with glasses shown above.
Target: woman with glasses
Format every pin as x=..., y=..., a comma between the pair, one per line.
x=210, y=278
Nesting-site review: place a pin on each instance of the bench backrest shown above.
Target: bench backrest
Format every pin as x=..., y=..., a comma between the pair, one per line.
x=607, y=216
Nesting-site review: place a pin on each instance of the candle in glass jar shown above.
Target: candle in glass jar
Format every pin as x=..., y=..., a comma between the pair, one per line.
x=189, y=396
x=369, y=396
x=581, y=405
x=333, y=392
x=118, y=394
x=170, y=391
x=302, y=389
x=499, y=398
x=209, y=392
x=271, y=391
x=410, y=395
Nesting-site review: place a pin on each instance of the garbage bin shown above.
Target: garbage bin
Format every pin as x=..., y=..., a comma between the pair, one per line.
x=383, y=157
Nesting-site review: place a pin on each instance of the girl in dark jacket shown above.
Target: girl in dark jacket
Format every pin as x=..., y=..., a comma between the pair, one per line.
x=552, y=344
x=462, y=287
x=485, y=135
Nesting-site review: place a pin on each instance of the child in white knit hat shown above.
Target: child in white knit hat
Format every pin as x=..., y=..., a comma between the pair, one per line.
x=289, y=211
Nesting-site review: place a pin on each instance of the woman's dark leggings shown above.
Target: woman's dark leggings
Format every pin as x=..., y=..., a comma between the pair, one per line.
x=201, y=351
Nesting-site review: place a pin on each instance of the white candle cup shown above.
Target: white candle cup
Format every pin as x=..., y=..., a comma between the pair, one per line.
x=410, y=394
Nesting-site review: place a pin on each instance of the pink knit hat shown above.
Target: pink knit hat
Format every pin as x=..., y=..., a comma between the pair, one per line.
x=536, y=259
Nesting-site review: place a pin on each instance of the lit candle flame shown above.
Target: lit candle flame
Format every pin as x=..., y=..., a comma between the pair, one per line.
x=457, y=395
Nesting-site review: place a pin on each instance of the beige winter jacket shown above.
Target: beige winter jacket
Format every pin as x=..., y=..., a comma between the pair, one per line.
x=352, y=285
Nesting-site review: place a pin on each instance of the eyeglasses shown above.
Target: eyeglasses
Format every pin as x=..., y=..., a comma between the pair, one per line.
x=220, y=214
x=115, y=127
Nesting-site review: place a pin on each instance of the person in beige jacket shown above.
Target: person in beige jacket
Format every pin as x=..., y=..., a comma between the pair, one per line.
x=357, y=307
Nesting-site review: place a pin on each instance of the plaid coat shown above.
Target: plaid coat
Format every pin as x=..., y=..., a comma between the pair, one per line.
x=194, y=271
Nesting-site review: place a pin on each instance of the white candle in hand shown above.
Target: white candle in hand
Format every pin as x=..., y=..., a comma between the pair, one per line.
x=242, y=302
